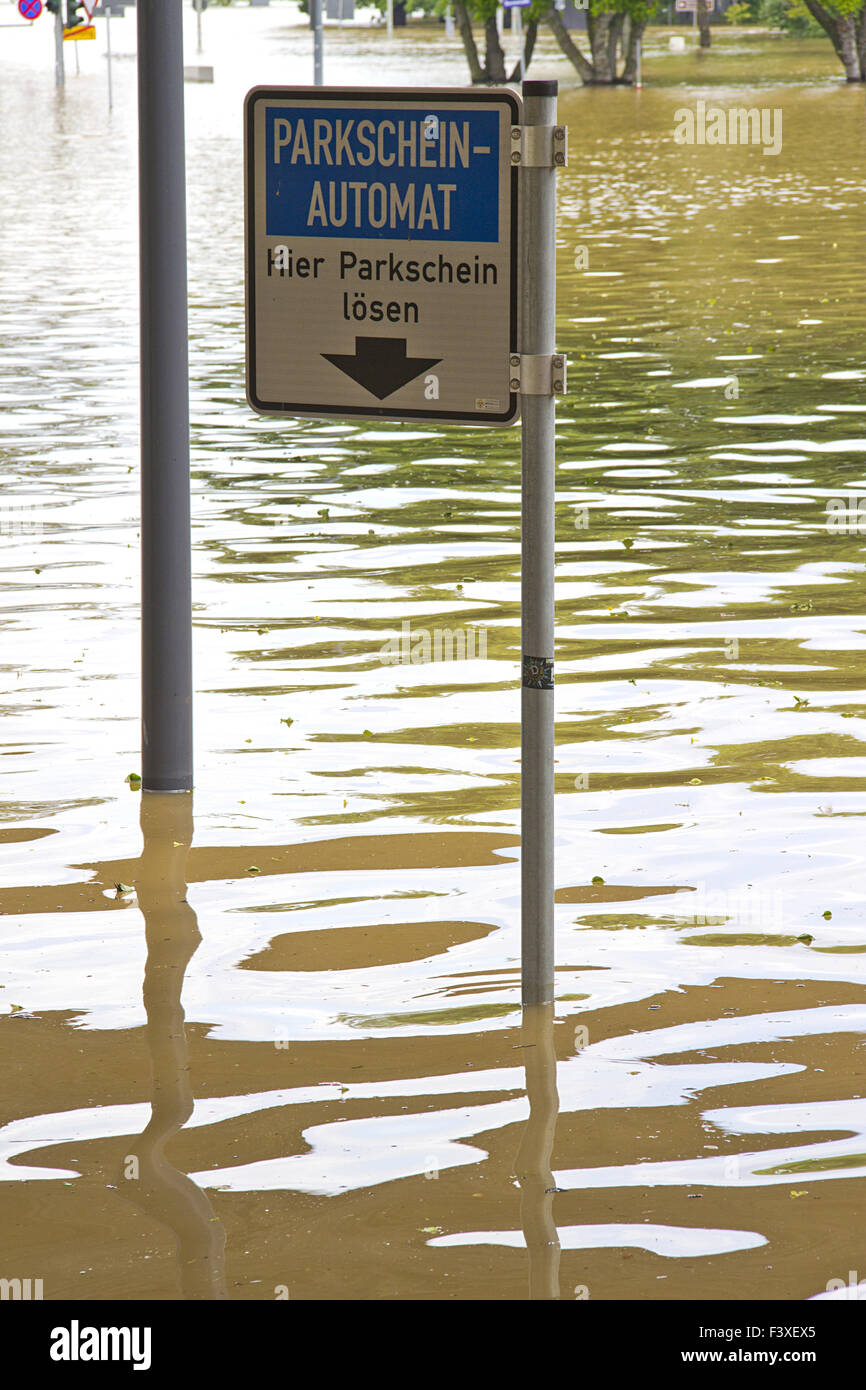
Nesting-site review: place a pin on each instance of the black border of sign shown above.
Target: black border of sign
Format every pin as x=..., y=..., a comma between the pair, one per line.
x=401, y=94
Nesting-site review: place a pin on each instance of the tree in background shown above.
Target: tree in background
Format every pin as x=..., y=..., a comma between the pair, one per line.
x=483, y=12
x=704, y=25
x=843, y=21
x=613, y=28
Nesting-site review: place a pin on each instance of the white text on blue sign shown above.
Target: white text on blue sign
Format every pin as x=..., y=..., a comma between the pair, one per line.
x=387, y=174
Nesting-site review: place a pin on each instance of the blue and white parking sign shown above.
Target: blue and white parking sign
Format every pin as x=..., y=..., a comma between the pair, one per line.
x=401, y=172
x=381, y=252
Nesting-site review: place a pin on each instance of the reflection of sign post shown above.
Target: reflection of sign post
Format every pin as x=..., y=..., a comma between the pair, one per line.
x=382, y=245
x=381, y=253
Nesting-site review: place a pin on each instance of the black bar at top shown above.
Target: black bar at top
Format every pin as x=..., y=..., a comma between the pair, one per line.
x=549, y=88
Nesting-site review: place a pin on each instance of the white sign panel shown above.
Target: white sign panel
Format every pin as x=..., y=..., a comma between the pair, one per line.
x=381, y=252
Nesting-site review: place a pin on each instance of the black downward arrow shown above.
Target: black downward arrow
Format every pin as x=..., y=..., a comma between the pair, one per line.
x=380, y=365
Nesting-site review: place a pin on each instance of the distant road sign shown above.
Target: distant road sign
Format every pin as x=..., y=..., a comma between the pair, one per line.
x=81, y=31
x=381, y=252
x=31, y=9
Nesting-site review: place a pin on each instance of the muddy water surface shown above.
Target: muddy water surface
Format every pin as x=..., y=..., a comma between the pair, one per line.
x=336, y=1105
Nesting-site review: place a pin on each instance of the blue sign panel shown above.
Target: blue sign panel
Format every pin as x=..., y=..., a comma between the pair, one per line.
x=382, y=174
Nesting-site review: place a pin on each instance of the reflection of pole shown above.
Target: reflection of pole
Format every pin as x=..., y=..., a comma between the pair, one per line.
x=639, y=55
x=538, y=315
x=108, y=50
x=318, y=43
x=389, y=11
x=449, y=23
x=166, y=614
x=537, y=1183
x=59, y=69
x=172, y=936
x=198, y=25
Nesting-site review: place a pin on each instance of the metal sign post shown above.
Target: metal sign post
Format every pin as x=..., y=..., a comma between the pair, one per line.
x=382, y=255
x=538, y=342
x=166, y=624
x=108, y=54
x=59, y=64
x=318, y=42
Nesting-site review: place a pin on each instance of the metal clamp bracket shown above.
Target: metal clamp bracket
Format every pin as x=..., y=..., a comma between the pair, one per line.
x=541, y=374
x=539, y=146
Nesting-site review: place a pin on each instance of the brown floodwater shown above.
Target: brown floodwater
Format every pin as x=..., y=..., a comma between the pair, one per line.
x=279, y=1051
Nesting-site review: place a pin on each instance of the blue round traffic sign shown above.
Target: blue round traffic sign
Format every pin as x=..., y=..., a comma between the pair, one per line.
x=31, y=9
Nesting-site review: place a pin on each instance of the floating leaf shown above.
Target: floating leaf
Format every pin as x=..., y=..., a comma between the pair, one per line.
x=253, y=869
x=827, y=915
x=695, y=782
x=134, y=780
x=628, y=542
x=122, y=888
x=287, y=721
x=596, y=878
x=806, y=938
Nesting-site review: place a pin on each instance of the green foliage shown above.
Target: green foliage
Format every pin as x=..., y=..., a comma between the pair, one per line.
x=641, y=11
x=740, y=12
x=792, y=17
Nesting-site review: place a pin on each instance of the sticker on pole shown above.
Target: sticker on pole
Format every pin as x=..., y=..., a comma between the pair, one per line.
x=381, y=253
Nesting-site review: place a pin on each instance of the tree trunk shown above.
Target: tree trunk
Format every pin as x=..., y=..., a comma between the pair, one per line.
x=704, y=25
x=598, y=27
x=470, y=47
x=569, y=47
x=848, y=43
x=629, y=72
x=614, y=34
x=494, y=59
x=528, y=49
x=848, y=37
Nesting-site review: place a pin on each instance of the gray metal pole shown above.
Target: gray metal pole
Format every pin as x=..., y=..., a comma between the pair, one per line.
x=538, y=336
x=108, y=55
x=59, y=67
x=518, y=29
x=166, y=627
x=198, y=47
x=318, y=43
